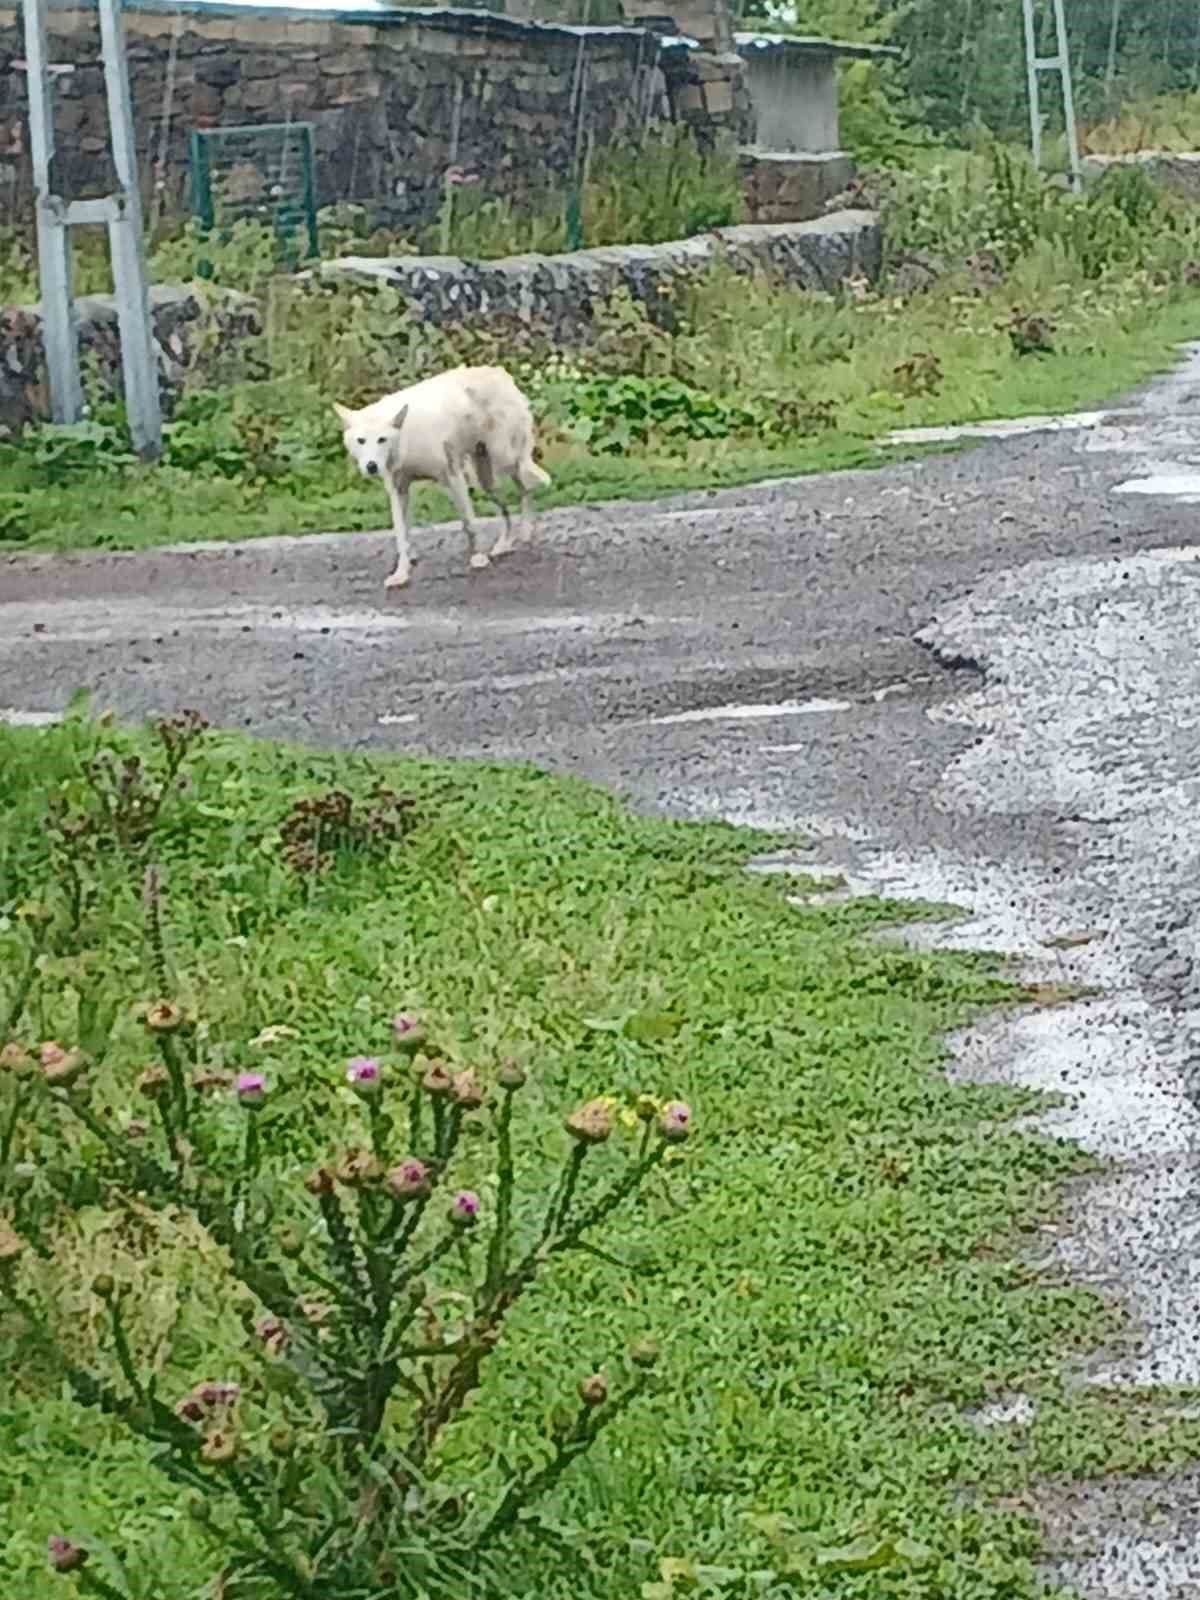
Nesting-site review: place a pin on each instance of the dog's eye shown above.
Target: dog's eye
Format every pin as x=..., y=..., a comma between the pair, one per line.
x=360, y=441
x=383, y=441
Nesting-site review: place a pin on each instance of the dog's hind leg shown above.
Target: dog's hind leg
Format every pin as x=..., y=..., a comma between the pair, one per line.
x=487, y=483
x=459, y=491
x=528, y=475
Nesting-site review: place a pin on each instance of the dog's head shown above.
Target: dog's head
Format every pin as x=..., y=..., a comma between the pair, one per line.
x=370, y=446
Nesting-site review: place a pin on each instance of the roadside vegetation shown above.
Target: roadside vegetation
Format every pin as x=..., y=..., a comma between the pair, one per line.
x=301, y=1057
x=1003, y=296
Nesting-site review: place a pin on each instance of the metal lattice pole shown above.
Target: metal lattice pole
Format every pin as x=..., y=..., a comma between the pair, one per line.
x=1060, y=62
x=59, y=334
x=139, y=363
x=122, y=212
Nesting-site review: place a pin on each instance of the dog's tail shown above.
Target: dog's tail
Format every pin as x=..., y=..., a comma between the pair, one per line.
x=531, y=476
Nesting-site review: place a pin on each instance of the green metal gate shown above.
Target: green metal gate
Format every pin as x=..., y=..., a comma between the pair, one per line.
x=265, y=173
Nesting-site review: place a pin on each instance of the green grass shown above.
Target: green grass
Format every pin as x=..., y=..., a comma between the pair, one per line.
x=1105, y=346
x=835, y=1271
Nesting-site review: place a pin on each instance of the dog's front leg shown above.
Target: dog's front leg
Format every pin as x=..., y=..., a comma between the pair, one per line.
x=398, y=496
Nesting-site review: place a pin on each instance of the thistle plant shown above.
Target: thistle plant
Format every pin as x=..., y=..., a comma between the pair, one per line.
x=374, y=1288
x=359, y=1366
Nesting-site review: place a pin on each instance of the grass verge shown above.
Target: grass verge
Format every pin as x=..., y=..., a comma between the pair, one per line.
x=837, y=1276
x=144, y=507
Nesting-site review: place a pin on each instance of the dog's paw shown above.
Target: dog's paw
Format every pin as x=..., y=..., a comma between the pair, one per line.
x=479, y=560
x=397, y=580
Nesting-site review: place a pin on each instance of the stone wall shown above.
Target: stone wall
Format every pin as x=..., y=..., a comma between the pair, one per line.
x=1176, y=170
x=558, y=294
x=561, y=294
x=184, y=331
x=780, y=186
x=396, y=96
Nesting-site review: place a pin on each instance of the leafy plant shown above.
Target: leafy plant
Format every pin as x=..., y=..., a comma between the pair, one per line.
x=59, y=452
x=611, y=414
x=373, y=1292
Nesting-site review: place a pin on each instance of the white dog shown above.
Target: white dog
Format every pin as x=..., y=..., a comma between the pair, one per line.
x=464, y=428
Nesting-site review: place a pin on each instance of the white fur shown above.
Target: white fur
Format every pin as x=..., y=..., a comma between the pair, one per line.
x=463, y=429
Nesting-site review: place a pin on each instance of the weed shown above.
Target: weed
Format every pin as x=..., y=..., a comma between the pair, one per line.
x=827, y=1271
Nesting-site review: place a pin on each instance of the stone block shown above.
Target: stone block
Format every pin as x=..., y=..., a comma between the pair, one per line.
x=339, y=65
x=311, y=35
x=718, y=99
x=149, y=25
x=259, y=94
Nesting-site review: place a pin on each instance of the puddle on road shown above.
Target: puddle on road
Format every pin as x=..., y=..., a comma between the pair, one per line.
x=1184, y=486
x=31, y=623
x=752, y=713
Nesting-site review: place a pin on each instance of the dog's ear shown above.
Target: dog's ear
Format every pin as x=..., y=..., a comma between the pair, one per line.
x=398, y=419
x=345, y=414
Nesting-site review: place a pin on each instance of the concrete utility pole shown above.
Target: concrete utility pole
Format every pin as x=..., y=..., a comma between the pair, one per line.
x=1060, y=62
x=122, y=212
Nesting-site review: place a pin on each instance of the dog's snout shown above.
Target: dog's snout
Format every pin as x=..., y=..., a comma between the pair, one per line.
x=372, y=469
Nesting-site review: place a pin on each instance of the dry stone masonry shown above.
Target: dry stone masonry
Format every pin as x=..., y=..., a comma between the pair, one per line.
x=398, y=94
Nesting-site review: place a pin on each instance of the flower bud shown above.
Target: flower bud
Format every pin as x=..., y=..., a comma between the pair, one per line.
x=291, y=1243
x=464, y=1209
x=63, y=1070
x=365, y=1077
x=281, y=1442
x=272, y=1333
x=164, y=1016
x=467, y=1091
x=64, y=1556
x=251, y=1089
x=358, y=1168
x=153, y=1082
x=644, y=1353
x=13, y=1058
x=408, y=1031
x=647, y=1107
x=437, y=1079
x=211, y=1078
x=593, y=1391
x=320, y=1182
x=410, y=1180
x=591, y=1123
x=103, y=1286
x=511, y=1075
x=220, y=1448
x=675, y=1123
x=11, y=1244
x=198, y=1508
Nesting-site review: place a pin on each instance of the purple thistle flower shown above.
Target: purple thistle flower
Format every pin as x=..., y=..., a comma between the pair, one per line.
x=464, y=1209
x=251, y=1088
x=675, y=1123
x=410, y=1180
x=408, y=1031
x=365, y=1077
x=64, y=1556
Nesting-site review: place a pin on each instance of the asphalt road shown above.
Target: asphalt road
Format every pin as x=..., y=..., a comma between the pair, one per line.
x=973, y=678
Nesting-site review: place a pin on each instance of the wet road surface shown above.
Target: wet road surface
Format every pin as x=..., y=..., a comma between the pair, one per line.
x=974, y=678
